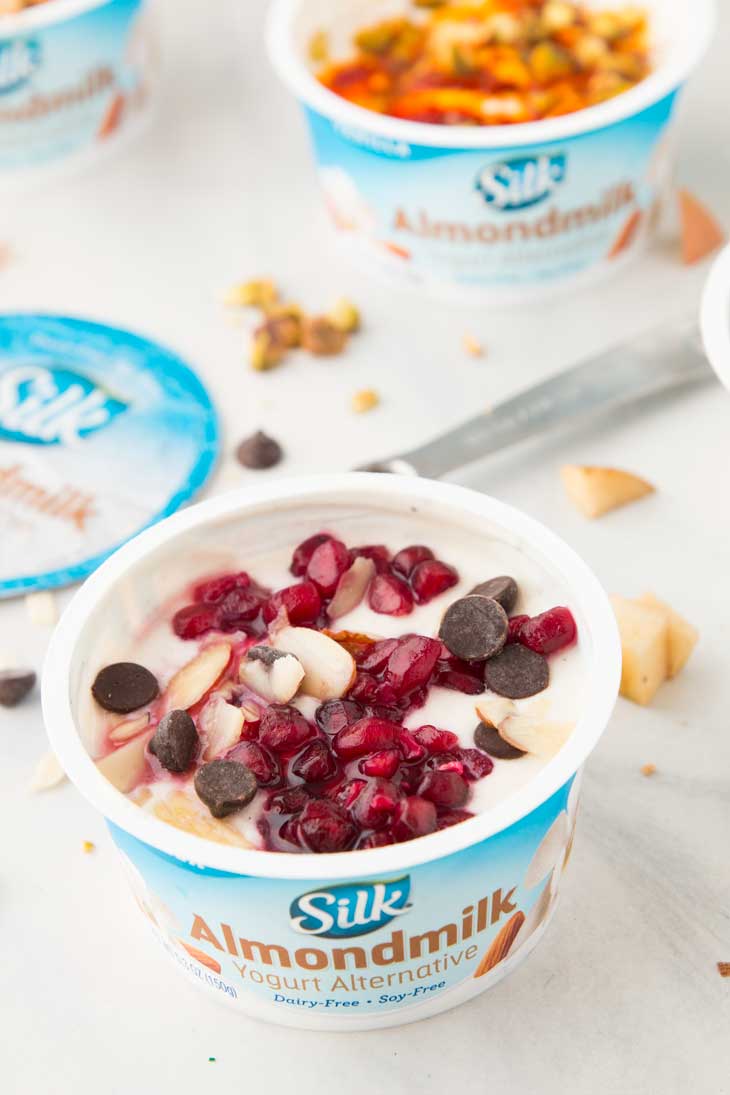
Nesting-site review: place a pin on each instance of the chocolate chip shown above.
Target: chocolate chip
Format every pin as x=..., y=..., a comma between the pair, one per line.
x=517, y=672
x=174, y=741
x=474, y=628
x=124, y=687
x=15, y=684
x=265, y=654
x=503, y=589
x=488, y=739
x=259, y=451
x=225, y=786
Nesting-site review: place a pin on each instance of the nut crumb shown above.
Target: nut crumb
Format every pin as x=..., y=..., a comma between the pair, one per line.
x=365, y=400
x=648, y=769
x=723, y=968
x=88, y=847
x=473, y=346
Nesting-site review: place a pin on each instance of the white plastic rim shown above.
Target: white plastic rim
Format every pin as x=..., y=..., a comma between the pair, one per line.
x=671, y=73
x=42, y=15
x=715, y=316
x=588, y=597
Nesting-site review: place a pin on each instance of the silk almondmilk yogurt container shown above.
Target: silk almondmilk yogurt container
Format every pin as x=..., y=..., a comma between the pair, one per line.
x=490, y=211
x=336, y=726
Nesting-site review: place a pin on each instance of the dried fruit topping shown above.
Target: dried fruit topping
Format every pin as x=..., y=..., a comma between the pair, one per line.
x=123, y=687
x=213, y=590
x=390, y=596
x=435, y=740
x=175, y=741
x=193, y=621
x=431, y=578
x=283, y=728
x=516, y=623
x=290, y=801
x=474, y=628
x=225, y=786
x=326, y=827
x=375, y=658
x=550, y=631
x=411, y=664
x=475, y=765
x=409, y=557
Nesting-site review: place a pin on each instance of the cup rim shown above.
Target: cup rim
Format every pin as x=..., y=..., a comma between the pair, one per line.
x=666, y=78
x=601, y=686
x=715, y=316
x=55, y=11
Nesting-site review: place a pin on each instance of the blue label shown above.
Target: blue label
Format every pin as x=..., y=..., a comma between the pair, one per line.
x=521, y=182
x=42, y=405
x=19, y=59
x=355, y=908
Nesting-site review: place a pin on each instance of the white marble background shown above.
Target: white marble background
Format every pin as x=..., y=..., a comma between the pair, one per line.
x=623, y=995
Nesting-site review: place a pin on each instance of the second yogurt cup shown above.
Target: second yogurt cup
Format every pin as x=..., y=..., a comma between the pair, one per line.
x=357, y=939
x=493, y=212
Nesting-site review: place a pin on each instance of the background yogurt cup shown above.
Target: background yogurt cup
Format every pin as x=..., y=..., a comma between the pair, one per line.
x=359, y=939
x=497, y=212
x=73, y=74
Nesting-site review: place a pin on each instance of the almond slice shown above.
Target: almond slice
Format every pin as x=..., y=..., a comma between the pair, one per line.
x=197, y=677
x=494, y=710
x=328, y=668
x=123, y=731
x=179, y=811
x=221, y=723
x=124, y=767
x=539, y=737
x=595, y=491
x=48, y=773
x=351, y=587
x=271, y=674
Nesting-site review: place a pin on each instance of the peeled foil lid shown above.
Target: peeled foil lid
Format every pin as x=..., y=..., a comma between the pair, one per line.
x=102, y=433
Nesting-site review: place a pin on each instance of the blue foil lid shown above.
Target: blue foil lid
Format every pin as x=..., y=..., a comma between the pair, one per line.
x=102, y=433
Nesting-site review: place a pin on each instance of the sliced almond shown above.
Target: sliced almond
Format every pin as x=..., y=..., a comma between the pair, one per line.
x=328, y=668
x=539, y=737
x=550, y=851
x=221, y=724
x=351, y=587
x=595, y=491
x=48, y=773
x=493, y=711
x=123, y=731
x=190, y=683
x=124, y=767
x=179, y=811
x=271, y=674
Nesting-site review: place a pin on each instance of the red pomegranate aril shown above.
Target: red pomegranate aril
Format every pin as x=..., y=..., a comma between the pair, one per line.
x=289, y=801
x=365, y=688
x=383, y=764
x=444, y=788
x=302, y=603
x=431, y=578
x=459, y=682
x=378, y=553
x=315, y=763
x=550, y=631
x=376, y=840
x=369, y=735
x=347, y=793
x=258, y=760
x=515, y=625
x=411, y=664
x=376, y=656
x=476, y=764
x=447, y=818
x=326, y=827
x=283, y=728
x=334, y=715
x=414, y=817
x=239, y=607
x=328, y=562
x=450, y=766
x=390, y=596
x=214, y=589
x=375, y=805
x=435, y=740
x=289, y=831
x=411, y=750
x=195, y=620
x=409, y=557
x=304, y=552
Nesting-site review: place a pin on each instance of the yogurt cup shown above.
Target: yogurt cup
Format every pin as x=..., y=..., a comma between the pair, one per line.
x=715, y=316
x=496, y=213
x=361, y=939
x=74, y=75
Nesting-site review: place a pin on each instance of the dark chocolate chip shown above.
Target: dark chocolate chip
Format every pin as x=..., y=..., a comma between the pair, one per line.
x=474, y=628
x=265, y=654
x=124, y=687
x=517, y=672
x=488, y=739
x=503, y=589
x=175, y=741
x=225, y=786
x=259, y=451
x=15, y=684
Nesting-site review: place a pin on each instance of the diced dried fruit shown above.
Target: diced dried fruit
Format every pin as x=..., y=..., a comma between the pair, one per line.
x=365, y=400
x=124, y=687
x=190, y=684
x=415, y=816
x=335, y=715
x=259, y=760
x=549, y=632
x=301, y=602
x=368, y=735
x=328, y=563
x=304, y=552
x=320, y=336
x=315, y=763
x=405, y=560
x=328, y=668
x=595, y=491
x=259, y=451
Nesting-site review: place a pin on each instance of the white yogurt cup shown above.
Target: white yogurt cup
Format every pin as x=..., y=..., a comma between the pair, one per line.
x=354, y=940
x=496, y=213
x=74, y=75
x=715, y=316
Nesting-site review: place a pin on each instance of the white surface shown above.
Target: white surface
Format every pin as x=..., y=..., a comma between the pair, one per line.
x=623, y=995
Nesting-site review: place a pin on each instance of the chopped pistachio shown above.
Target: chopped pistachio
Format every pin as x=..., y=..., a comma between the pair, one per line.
x=345, y=315
x=365, y=400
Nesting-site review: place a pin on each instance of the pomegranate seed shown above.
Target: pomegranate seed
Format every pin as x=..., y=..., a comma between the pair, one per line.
x=315, y=763
x=384, y=764
x=348, y=792
x=431, y=578
x=452, y=817
x=304, y=552
x=516, y=623
x=450, y=766
x=444, y=788
x=411, y=750
x=476, y=764
x=194, y=620
x=239, y=607
x=290, y=831
x=376, y=840
x=412, y=663
x=375, y=657
x=409, y=557
x=259, y=760
x=214, y=589
x=386, y=695
x=284, y=728
x=459, y=682
x=369, y=735
x=302, y=603
x=414, y=817
x=390, y=596
x=434, y=740
x=376, y=804
x=334, y=715
x=377, y=552
x=328, y=562
x=289, y=801
x=365, y=688
x=550, y=631
x=325, y=827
